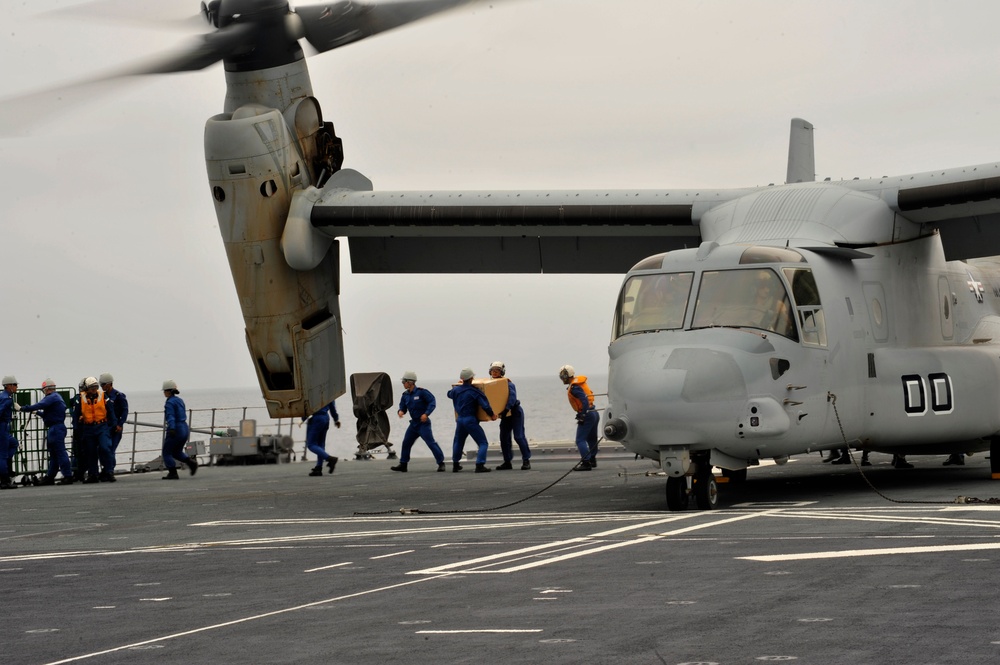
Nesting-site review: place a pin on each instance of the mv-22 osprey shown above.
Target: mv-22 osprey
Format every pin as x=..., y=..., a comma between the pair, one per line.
x=768, y=322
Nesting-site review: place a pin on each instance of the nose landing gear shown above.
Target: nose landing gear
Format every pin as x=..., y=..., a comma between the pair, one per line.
x=703, y=487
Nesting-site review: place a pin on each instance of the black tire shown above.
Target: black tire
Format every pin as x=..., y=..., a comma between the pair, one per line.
x=706, y=491
x=677, y=494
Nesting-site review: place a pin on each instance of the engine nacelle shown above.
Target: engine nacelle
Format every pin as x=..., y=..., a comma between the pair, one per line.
x=293, y=330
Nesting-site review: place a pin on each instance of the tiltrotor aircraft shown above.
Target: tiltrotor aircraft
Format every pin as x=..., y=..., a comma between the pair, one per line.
x=767, y=322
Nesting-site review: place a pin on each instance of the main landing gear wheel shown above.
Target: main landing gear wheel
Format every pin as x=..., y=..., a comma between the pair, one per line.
x=677, y=493
x=706, y=491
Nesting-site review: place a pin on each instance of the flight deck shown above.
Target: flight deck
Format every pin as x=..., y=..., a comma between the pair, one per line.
x=262, y=564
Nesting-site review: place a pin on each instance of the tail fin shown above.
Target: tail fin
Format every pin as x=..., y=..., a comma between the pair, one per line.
x=801, y=153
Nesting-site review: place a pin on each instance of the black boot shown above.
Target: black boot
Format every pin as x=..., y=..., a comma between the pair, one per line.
x=331, y=463
x=441, y=466
x=506, y=466
x=525, y=465
x=955, y=458
x=171, y=475
x=845, y=458
x=6, y=484
x=192, y=465
x=583, y=465
x=317, y=471
x=899, y=462
x=399, y=467
x=456, y=467
x=482, y=468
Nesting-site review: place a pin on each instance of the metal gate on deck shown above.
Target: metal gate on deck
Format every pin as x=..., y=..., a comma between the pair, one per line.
x=32, y=452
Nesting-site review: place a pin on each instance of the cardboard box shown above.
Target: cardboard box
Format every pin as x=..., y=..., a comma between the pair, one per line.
x=496, y=391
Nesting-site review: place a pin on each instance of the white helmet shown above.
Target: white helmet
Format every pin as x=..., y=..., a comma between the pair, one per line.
x=10, y=379
x=497, y=364
x=466, y=374
x=170, y=384
x=107, y=378
x=566, y=371
x=90, y=382
x=48, y=383
x=409, y=375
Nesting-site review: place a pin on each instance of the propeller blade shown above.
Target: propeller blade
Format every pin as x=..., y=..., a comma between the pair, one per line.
x=211, y=48
x=334, y=25
x=149, y=14
x=19, y=113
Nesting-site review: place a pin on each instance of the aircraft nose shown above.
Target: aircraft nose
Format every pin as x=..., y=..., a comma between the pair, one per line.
x=676, y=396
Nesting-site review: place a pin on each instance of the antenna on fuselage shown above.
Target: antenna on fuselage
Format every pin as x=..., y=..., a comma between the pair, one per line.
x=801, y=153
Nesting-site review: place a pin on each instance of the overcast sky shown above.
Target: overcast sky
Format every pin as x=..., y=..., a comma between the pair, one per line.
x=110, y=250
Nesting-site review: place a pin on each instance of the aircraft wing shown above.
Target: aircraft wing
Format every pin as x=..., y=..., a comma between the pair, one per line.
x=510, y=231
x=963, y=204
x=604, y=231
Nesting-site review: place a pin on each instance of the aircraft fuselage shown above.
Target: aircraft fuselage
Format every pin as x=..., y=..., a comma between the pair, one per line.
x=890, y=349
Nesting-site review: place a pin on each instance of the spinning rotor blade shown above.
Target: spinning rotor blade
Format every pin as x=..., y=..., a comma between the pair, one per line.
x=246, y=32
x=334, y=25
x=213, y=47
x=168, y=14
x=24, y=111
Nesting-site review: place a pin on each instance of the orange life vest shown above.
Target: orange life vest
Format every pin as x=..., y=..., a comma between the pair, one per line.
x=577, y=405
x=93, y=412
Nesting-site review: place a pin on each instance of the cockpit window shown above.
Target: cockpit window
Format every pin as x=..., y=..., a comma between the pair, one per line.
x=808, y=308
x=653, y=302
x=749, y=298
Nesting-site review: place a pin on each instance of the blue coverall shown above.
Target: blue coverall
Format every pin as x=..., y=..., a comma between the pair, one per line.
x=467, y=398
x=587, y=421
x=419, y=403
x=53, y=410
x=8, y=444
x=175, y=419
x=121, y=415
x=316, y=429
x=512, y=422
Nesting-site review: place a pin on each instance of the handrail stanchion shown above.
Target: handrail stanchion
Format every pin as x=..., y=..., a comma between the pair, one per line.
x=135, y=427
x=210, y=458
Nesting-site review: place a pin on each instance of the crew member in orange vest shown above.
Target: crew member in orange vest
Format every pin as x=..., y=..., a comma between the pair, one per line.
x=93, y=420
x=581, y=398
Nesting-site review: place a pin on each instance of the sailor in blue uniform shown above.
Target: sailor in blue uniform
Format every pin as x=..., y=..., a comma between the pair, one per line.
x=511, y=423
x=121, y=416
x=467, y=397
x=8, y=444
x=53, y=411
x=419, y=403
x=316, y=429
x=175, y=421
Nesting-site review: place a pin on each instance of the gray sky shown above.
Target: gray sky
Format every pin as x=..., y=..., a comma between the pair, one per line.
x=110, y=249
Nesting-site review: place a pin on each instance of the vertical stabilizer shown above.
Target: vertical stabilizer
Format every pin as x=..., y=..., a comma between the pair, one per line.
x=801, y=154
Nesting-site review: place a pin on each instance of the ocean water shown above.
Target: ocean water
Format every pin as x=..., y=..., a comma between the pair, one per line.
x=547, y=415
